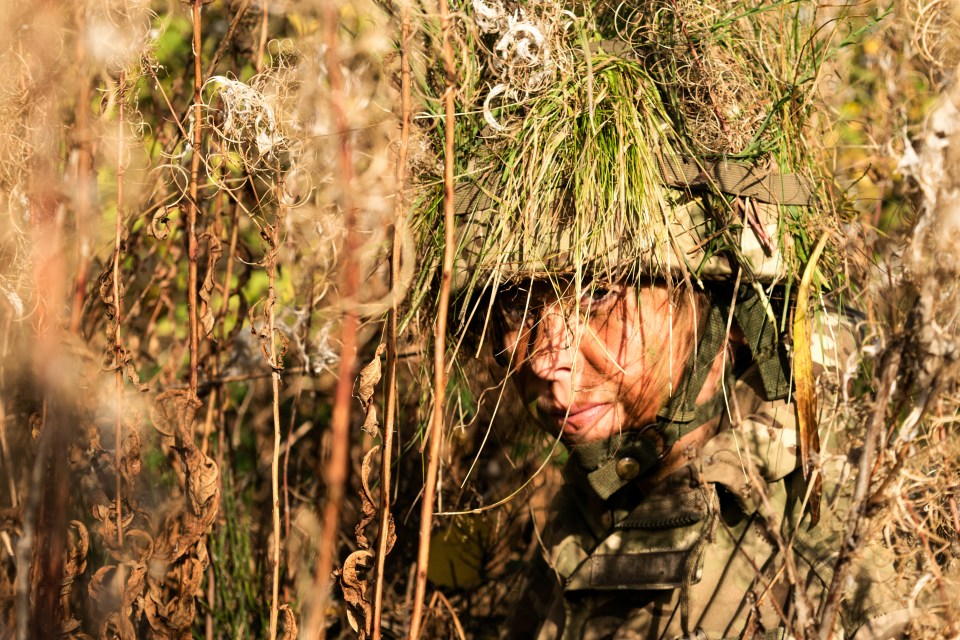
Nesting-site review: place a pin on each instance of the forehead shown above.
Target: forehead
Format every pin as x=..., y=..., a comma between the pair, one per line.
x=558, y=288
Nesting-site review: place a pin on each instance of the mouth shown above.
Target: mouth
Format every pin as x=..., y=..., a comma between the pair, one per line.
x=576, y=417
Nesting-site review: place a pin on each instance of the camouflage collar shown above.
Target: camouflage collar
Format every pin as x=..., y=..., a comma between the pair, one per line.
x=611, y=464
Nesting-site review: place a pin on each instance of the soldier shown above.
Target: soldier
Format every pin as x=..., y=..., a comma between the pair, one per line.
x=641, y=283
x=675, y=523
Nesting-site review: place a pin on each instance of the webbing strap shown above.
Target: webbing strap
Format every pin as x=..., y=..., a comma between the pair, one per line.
x=734, y=178
x=767, y=349
x=682, y=414
x=678, y=417
x=737, y=179
x=682, y=405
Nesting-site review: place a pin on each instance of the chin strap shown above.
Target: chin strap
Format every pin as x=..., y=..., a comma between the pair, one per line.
x=613, y=463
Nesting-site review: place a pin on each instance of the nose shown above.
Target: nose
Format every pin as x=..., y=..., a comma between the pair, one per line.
x=551, y=354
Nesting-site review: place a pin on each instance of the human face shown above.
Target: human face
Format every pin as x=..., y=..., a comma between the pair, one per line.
x=592, y=365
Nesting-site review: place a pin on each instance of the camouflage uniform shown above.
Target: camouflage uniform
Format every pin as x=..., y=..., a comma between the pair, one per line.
x=693, y=557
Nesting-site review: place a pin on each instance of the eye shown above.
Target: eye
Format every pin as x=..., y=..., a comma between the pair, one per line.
x=513, y=307
x=598, y=296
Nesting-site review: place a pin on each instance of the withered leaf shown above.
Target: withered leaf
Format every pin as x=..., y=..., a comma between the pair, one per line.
x=202, y=479
x=367, y=505
x=76, y=556
x=288, y=623
x=178, y=406
x=159, y=227
x=806, y=396
x=214, y=251
x=140, y=544
x=354, y=583
x=99, y=587
x=370, y=425
x=106, y=515
x=130, y=463
x=172, y=617
x=369, y=377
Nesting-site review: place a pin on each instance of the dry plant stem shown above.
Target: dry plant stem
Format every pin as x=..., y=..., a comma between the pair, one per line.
x=4, y=449
x=934, y=566
x=275, y=379
x=83, y=173
x=118, y=308
x=262, y=47
x=335, y=471
x=440, y=330
x=193, y=202
x=390, y=413
x=851, y=540
x=222, y=49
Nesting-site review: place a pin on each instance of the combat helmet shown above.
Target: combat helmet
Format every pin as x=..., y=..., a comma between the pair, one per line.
x=664, y=141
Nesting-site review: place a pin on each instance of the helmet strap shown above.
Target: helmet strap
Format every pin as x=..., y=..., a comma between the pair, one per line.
x=681, y=414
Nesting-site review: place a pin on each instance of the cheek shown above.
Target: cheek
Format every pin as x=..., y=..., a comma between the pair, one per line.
x=615, y=344
x=513, y=347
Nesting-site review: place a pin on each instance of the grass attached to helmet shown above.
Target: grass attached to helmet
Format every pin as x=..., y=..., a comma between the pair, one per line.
x=565, y=176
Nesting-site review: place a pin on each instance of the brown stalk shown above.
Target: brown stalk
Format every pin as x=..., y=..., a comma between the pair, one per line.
x=4, y=449
x=335, y=470
x=118, y=307
x=390, y=412
x=222, y=49
x=262, y=46
x=84, y=162
x=275, y=365
x=193, y=201
x=440, y=330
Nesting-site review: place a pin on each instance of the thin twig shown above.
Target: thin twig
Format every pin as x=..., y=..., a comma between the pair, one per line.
x=335, y=471
x=390, y=413
x=262, y=46
x=84, y=162
x=440, y=330
x=192, y=201
x=4, y=449
x=276, y=365
x=118, y=308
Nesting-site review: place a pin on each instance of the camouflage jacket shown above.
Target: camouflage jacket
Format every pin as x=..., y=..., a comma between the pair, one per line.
x=695, y=557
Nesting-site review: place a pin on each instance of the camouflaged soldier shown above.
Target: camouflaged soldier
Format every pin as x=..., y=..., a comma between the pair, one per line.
x=638, y=293
x=683, y=513
x=678, y=518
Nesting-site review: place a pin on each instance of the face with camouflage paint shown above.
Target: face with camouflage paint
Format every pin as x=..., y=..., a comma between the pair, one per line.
x=593, y=364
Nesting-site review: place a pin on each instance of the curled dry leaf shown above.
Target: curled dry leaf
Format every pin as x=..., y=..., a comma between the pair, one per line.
x=106, y=516
x=288, y=623
x=139, y=544
x=172, y=618
x=202, y=481
x=367, y=505
x=214, y=251
x=354, y=579
x=106, y=287
x=159, y=224
x=74, y=564
x=369, y=377
x=99, y=588
x=354, y=582
x=130, y=462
